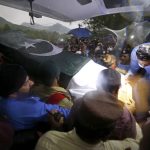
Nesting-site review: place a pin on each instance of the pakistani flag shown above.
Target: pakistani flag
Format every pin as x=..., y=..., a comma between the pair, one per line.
x=30, y=53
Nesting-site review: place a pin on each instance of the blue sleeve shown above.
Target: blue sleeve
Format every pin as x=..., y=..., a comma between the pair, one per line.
x=62, y=110
x=43, y=108
x=134, y=62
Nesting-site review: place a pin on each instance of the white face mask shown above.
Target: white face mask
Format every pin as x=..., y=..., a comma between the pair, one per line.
x=140, y=65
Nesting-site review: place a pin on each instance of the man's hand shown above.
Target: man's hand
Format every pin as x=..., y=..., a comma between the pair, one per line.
x=132, y=79
x=56, y=119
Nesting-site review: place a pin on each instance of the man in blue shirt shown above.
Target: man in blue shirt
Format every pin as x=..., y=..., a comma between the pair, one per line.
x=140, y=58
x=140, y=80
x=22, y=110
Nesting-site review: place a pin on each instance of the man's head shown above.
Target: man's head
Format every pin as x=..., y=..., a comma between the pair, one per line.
x=100, y=54
x=125, y=56
x=143, y=55
x=109, y=80
x=48, y=73
x=13, y=78
x=95, y=116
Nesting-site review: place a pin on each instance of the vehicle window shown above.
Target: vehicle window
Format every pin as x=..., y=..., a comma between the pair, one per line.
x=120, y=3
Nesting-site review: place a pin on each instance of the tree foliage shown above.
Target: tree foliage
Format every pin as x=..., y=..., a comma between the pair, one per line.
x=112, y=21
x=33, y=33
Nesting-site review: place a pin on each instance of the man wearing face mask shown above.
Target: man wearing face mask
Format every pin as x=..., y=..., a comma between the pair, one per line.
x=140, y=58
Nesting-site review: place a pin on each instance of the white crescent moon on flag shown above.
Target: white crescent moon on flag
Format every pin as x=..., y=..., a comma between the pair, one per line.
x=56, y=50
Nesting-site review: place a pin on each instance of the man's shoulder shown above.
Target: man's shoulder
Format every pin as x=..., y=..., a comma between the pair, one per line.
x=127, y=143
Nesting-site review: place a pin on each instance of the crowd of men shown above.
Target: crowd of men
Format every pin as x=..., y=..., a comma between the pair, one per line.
x=103, y=51
x=44, y=116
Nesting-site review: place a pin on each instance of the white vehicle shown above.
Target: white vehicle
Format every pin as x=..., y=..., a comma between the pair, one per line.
x=72, y=10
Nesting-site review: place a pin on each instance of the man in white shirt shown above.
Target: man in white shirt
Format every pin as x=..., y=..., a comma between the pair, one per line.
x=95, y=115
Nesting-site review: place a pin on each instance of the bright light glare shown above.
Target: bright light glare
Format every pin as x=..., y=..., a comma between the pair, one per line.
x=132, y=37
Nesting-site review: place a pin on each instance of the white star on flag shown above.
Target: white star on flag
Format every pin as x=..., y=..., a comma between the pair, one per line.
x=27, y=45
